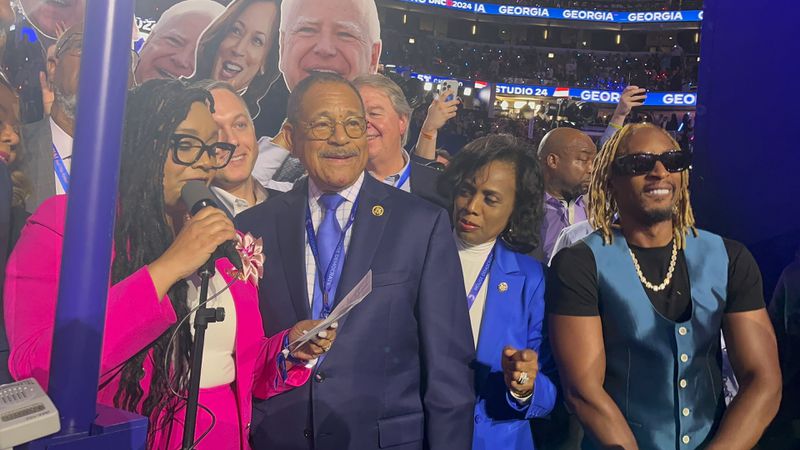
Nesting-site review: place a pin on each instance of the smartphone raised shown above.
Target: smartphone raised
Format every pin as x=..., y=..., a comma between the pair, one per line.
x=449, y=85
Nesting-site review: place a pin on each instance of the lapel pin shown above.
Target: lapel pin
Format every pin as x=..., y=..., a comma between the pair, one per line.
x=502, y=287
x=377, y=210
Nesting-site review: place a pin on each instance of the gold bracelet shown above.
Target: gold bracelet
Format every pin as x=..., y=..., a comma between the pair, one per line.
x=615, y=125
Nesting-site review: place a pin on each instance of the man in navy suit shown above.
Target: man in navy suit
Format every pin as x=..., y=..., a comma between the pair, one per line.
x=398, y=375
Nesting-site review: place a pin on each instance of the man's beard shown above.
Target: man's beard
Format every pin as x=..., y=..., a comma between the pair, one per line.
x=573, y=194
x=68, y=103
x=657, y=216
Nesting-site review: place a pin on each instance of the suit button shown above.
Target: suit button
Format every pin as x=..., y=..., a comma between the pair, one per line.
x=682, y=331
x=686, y=412
x=684, y=357
x=307, y=433
x=478, y=419
x=319, y=377
x=683, y=383
x=685, y=439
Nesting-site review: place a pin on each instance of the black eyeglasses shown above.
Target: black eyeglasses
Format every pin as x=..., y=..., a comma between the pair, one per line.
x=188, y=149
x=642, y=163
x=322, y=129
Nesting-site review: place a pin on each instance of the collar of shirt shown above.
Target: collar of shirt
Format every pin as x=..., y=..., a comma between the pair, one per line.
x=549, y=200
x=392, y=179
x=61, y=140
x=236, y=204
x=350, y=194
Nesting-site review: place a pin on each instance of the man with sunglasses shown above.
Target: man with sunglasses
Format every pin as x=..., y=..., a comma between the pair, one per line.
x=636, y=308
x=48, y=142
x=399, y=373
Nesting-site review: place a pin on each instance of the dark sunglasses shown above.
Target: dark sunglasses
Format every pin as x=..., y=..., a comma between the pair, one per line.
x=188, y=149
x=642, y=163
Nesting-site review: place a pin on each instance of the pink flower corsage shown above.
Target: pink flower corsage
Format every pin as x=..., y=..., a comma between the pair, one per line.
x=251, y=250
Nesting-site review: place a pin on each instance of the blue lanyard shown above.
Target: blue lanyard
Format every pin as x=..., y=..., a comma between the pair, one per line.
x=60, y=169
x=482, y=275
x=403, y=177
x=327, y=285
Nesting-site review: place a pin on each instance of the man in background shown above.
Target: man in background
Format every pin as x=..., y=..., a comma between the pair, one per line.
x=169, y=51
x=339, y=36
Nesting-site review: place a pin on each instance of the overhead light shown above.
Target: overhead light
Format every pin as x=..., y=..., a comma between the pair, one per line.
x=584, y=43
x=619, y=39
x=474, y=29
x=546, y=33
x=504, y=105
x=698, y=59
x=427, y=86
x=411, y=40
x=551, y=55
x=467, y=91
x=405, y=19
x=697, y=37
x=519, y=104
x=532, y=104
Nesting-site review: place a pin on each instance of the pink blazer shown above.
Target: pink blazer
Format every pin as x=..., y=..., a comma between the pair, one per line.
x=135, y=317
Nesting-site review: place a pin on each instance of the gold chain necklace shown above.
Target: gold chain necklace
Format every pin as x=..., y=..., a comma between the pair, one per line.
x=667, y=280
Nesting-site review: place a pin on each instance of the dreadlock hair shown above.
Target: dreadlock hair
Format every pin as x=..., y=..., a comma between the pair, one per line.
x=142, y=234
x=522, y=232
x=603, y=206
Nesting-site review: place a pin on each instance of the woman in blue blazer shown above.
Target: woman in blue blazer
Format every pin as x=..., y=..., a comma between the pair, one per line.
x=497, y=189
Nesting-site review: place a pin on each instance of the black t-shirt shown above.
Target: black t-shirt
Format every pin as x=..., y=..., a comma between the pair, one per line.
x=572, y=281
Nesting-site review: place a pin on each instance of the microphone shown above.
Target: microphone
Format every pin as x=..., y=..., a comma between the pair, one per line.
x=196, y=195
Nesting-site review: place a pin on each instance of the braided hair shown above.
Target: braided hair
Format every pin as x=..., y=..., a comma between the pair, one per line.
x=603, y=206
x=142, y=234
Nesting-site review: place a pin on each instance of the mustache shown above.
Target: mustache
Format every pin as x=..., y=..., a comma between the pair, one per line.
x=339, y=153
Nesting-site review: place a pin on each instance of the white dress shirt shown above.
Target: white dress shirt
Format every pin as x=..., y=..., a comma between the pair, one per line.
x=472, y=259
x=63, y=143
x=235, y=204
x=270, y=158
x=219, y=367
x=342, y=215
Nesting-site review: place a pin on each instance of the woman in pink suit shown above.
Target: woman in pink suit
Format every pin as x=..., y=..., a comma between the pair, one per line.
x=170, y=138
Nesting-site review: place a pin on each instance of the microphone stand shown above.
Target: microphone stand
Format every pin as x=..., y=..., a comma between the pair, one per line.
x=203, y=316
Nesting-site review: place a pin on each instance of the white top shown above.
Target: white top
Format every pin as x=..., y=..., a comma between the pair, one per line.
x=235, y=204
x=342, y=215
x=219, y=367
x=472, y=259
x=391, y=180
x=270, y=158
x=63, y=143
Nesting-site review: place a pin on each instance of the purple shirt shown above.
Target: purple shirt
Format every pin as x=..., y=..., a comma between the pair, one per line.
x=556, y=218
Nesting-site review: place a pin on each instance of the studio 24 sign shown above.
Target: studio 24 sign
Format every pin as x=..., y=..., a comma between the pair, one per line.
x=566, y=14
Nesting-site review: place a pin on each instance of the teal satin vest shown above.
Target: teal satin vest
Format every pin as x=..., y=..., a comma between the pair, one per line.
x=664, y=375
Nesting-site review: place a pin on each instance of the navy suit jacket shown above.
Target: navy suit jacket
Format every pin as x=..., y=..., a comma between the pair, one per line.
x=424, y=183
x=513, y=315
x=398, y=374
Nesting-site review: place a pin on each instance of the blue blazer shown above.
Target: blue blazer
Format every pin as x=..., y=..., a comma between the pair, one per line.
x=514, y=317
x=398, y=374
